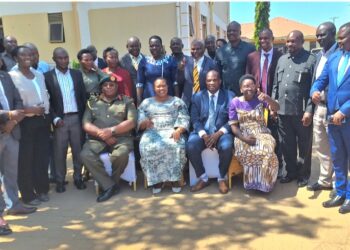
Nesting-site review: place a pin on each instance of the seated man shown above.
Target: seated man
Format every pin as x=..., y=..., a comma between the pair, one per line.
x=209, y=115
x=108, y=120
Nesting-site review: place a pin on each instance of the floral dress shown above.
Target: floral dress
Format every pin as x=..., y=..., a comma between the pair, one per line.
x=162, y=159
x=260, y=164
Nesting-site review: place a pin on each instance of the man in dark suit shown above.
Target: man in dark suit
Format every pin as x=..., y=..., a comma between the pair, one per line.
x=130, y=61
x=193, y=79
x=325, y=35
x=11, y=113
x=67, y=101
x=99, y=62
x=262, y=65
x=209, y=115
x=336, y=75
x=291, y=87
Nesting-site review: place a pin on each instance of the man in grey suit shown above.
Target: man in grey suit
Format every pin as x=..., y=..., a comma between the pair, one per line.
x=325, y=35
x=291, y=87
x=11, y=113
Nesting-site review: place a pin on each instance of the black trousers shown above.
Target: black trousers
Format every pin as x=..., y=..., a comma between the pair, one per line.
x=273, y=126
x=296, y=144
x=33, y=157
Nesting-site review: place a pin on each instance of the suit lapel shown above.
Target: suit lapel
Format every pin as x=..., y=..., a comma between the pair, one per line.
x=56, y=85
x=220, y=102
x=205, y=104
x=7, y=91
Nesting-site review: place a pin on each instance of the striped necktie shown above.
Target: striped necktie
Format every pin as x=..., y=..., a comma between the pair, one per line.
x=342, y=68
x=196, y=86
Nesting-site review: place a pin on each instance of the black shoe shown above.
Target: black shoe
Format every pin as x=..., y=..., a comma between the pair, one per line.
x=317, y=187
x=280, y=173
x=334, y=202
x=5, y=230
x=60, y=188
x=79, y=183
x=107, y=194
x=287, y=179
x=21, y=210
x=302, y=182
x=345, y=208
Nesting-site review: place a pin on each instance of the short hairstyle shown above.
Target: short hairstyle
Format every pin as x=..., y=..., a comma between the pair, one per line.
x=266, y=30
x=156, y=38
x=221, y=40
x=83, y=51
x=246, y=77
x=345, y=26
x=330, y=27
x=109, y=49
x=15, y=52
x=198, y=41
x=235, y=23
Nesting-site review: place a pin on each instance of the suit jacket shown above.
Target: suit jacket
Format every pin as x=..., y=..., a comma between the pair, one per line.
x=56, y=100
x=200, y=110
x=126, y=63
x=14, y=101
x=186, y=77
x=338, y=96
x=253, y=67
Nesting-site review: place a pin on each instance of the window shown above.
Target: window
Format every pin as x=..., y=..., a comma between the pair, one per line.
x=204, y=26
x=190, y=20
x=218, y=31
x=1, y=37
x=56, y=29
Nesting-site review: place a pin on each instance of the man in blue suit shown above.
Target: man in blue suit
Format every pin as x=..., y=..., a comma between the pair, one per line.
x=209, y=115
x=188, y=76
x=336, y=75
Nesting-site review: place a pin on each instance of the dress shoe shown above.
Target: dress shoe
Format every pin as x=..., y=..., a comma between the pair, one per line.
x=199, y=185
x=35, y=202
x=302, y=182
x=317, y=187
x=223, y=187
x=108, y=193
x=334, y=202
x=60, y=188
x=287, y=179
x=43, y=197
x=5, y=230
x=345, y=208
x=21, y=210
x=79, y=183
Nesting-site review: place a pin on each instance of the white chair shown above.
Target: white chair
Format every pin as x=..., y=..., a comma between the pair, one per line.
x=210, y=160
x=129, y=173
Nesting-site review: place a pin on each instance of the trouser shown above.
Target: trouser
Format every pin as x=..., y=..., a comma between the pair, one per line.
x=273, y=126
x=119, y=157
x=339, y=140
x=196, y=145
x=69, y=134
x=33, y=157
x=8, y=172
x=322, y=147
x=295, y=140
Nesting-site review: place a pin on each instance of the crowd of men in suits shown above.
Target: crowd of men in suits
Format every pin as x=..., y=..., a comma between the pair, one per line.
x=313, y=93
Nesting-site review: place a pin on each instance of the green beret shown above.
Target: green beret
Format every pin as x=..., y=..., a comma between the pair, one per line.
x=107, y=79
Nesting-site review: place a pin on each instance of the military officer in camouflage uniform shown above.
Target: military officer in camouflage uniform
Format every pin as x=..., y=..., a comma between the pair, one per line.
x=108, y=120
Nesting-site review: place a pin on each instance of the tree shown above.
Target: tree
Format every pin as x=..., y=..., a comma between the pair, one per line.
x=262, y=14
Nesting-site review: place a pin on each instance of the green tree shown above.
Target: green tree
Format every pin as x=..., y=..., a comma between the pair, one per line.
x=262, y=14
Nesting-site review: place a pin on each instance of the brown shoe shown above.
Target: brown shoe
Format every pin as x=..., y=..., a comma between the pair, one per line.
x=199, y=185
x=223, y=187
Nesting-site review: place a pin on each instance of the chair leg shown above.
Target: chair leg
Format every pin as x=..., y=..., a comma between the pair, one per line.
x=134, y=185
x=145, y=182
x=229, y=181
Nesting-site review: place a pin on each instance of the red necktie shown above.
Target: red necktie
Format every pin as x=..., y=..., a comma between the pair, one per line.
x=264, y=73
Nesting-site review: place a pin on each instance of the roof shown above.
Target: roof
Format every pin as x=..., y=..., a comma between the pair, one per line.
x=280, y=27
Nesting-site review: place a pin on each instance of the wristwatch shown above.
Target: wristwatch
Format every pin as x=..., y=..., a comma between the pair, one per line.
x=113, y=131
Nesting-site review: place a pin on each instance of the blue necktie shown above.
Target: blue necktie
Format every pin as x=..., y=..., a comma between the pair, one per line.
x=212, y=115
x=342, y=69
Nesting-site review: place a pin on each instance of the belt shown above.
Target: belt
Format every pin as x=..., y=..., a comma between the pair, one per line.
x=323, y=103
x=71, y=113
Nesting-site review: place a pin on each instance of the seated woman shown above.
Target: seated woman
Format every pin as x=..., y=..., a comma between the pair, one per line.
x=164, y=120
x=254, y=145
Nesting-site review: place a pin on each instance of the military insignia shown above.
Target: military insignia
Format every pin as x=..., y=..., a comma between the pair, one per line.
x=113, y=78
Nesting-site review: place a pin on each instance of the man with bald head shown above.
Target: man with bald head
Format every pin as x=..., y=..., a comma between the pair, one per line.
x=130, y=61
x=291, y=88
x=67, y=102
x=325, y=35
x=210, y=46
x=232, y=58
x=193, y=71
x=10, y=43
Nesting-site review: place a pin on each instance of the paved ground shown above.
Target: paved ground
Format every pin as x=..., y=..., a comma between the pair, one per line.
x=288, y=218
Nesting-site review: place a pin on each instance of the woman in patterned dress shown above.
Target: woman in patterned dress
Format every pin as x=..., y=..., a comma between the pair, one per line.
x=254, y=145
x=164, y=120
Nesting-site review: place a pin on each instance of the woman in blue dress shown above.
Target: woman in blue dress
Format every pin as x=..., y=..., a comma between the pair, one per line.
x=154, y=66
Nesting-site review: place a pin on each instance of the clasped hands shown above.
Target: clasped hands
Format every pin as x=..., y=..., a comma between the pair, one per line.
x=15, y=116
x=211, y=140
x=106, y=135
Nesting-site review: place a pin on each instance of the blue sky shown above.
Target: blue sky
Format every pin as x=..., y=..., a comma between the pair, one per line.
x=312, y=13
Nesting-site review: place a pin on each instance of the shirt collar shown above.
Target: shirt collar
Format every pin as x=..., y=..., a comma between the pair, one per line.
x=263, y=52
x=216, y=94
x=199, y=61
x=60, y=72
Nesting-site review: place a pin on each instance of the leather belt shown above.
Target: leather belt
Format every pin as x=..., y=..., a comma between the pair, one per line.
x=71, y=113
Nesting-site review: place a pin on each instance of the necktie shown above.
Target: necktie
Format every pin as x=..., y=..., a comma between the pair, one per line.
x=196, y=86
x=211, y=115
x=342, y=69
x=135, y=63
x=264, y=73
x=3, y=100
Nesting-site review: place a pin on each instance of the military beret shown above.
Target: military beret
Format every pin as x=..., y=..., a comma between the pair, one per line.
x=107, y=79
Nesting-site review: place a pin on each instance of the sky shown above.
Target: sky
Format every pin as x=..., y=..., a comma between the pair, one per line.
x=311, y=13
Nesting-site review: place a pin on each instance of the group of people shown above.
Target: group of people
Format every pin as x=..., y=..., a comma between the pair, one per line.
x=257, y=106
